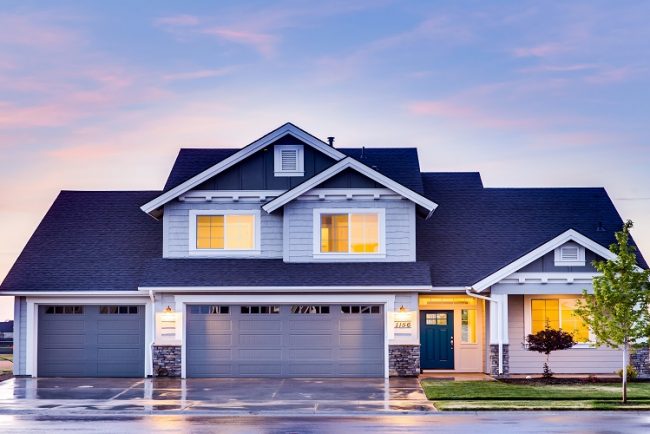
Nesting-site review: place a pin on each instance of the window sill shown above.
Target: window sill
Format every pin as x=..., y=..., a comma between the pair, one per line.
x=289, y=173
x=569, y=263
x=222, y=253
x=583, y=346
x=349, y=256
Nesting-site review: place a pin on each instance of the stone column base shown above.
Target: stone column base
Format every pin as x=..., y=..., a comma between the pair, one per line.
x=166, y=361
x=640, y=360
x=494, y=361
x=404, y=360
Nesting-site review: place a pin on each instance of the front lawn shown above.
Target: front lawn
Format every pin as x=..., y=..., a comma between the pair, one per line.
x=8, y=357
x=498, y=395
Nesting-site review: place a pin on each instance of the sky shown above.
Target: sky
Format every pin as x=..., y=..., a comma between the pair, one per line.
x=101, y=95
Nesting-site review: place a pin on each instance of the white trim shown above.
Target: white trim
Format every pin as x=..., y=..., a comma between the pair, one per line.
x=284, y=130
x=349, y=194
x=528, y=316
x=550, y=277
x=388, y=300
x=316, y=233
x=200, y=196
x=196, y=252
x=299, y=289
x=349, y=163
x=72, y=293
x=559, y=260
x=16, y=337
x=300, y=160
x=31, y=353
x=570, y=235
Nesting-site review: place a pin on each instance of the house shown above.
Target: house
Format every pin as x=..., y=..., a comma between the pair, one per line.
x=292, y=257
x=6, y=330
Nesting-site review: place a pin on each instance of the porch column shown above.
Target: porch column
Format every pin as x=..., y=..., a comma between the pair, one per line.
x=499, y=356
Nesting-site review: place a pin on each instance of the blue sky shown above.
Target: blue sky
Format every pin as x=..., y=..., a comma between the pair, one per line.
x=100, y=95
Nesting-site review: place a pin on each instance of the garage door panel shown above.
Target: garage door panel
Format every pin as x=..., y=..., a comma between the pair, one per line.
x=323, y=343
x=209, y=354
x=211, y=340
x=210, y=325
x=90, y=343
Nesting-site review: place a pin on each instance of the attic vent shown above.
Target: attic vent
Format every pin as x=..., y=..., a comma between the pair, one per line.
x=570, y=256
x=289, y=160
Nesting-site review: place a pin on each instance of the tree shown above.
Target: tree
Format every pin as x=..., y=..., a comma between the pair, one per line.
x=617, y=311
x=549, y=340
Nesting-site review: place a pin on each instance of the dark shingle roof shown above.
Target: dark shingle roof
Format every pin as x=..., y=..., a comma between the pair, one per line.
x=6, y=326
x=88, y=241
x=475, y=232
x=400, y=164
x=274, y=272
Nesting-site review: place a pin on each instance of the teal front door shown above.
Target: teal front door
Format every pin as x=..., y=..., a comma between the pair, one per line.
x=437, y=339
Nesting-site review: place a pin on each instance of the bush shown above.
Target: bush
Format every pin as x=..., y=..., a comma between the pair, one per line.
x=631, y=372
x=548, y=340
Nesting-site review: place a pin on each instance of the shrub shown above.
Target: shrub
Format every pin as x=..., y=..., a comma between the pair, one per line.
x=631, y=372
x=549, y=340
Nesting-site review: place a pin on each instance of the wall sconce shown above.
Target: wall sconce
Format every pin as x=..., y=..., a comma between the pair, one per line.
x=168, y=309
x=402, y=309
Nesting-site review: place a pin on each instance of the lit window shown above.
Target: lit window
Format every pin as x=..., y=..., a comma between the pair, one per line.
x=356, y=233
x=225, y=232
x=558, y=314
x=468, y=326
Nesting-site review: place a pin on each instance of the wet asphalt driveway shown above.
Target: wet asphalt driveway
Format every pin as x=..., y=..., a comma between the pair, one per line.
x=55, y=396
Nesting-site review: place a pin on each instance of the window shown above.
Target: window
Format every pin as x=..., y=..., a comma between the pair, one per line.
x=224, y=232
x=360, y=309
x=118, y=310
x=468, y=326
x=209, y=309
x=558, y=314
x=64, y=310
x=255, y=310
x=321, y=310
x=570, y=255
x=436, y=319
x=289, y=160
x=355, y=232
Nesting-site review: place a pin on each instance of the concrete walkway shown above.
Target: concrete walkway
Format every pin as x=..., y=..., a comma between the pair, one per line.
x=212, y=396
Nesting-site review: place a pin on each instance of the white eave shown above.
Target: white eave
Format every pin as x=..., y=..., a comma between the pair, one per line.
x=284, y=130
x=513, y=267
x=350, y=163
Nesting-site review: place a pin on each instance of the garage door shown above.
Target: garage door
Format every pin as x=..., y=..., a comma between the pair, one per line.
x=285, y=341
x=91, y=341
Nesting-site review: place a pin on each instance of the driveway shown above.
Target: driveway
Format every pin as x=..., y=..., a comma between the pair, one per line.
x=58, y=396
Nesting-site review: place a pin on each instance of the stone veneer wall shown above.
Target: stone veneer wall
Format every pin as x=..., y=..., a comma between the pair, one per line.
x=166, y=361
x=494, y=360
x=404, y=360
x=640, y=359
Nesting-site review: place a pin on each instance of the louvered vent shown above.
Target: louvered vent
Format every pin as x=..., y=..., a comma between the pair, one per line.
x=289, y=159
x=569, y=254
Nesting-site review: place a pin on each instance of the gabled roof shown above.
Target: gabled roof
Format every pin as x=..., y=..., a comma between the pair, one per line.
x=349, y=163
x=477, y=231
x=246, y=151
x=569, y=235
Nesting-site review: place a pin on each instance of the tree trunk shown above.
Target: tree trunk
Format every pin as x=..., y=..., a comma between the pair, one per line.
x=624, y=385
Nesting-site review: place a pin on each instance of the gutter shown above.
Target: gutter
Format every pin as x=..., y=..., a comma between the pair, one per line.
x=470, y=292
x=153, y=327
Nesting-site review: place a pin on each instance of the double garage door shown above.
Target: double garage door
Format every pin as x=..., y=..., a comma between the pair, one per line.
x=285, y=341
x=91, y=341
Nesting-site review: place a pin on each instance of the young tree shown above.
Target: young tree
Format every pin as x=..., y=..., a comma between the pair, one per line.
x=549, y=340
x=617, y=311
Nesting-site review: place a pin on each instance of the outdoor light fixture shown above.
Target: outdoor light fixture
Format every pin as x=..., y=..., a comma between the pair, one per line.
x=168, y=309
x=402, y=309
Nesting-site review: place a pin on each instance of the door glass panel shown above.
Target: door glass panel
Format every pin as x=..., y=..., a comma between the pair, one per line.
x=436, y=319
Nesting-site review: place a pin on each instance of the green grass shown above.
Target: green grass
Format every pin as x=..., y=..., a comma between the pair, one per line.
x=496, y=395
x=9, y=357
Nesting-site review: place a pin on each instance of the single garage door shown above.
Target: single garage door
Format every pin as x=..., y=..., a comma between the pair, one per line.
x=285, y=341
x=91, y=341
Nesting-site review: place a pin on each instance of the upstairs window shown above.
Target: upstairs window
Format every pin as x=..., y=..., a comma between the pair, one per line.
x=289, y=160
x=224, y=231
x=356, y=232
x=570, y=255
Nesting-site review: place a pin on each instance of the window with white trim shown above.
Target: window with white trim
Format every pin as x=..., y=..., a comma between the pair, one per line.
x=289, y=160
x=349, y=232
x=570, y=255
x=558, y=313
x=224, y=232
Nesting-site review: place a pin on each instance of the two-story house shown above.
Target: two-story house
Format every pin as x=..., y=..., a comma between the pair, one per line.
x=291, y=257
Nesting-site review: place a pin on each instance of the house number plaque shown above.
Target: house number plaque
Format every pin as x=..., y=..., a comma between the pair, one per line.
x=402, y=324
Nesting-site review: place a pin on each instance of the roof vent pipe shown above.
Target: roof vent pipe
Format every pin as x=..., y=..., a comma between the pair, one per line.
x=331, y=141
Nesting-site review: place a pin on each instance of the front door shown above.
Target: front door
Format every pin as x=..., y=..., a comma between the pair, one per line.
x=437, y=339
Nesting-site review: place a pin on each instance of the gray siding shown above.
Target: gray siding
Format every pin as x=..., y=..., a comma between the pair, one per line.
x=176, y=229
x=20, y=336
x=547, y=264
x=400, y=228
x=573, y=361
x=257, y=171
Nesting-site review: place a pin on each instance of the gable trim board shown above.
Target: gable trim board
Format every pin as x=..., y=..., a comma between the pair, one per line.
x=569, y=235
x=286, y=129
x=299, y=289
x=350, y=163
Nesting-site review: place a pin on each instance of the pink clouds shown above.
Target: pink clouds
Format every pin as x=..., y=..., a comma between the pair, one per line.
x=467, y=114
x=542, y=50
x=263, y=43
x=178, y=20
x=201, y=73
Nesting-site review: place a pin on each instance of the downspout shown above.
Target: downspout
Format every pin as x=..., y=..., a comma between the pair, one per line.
x=470, y=291
x=153, y=327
